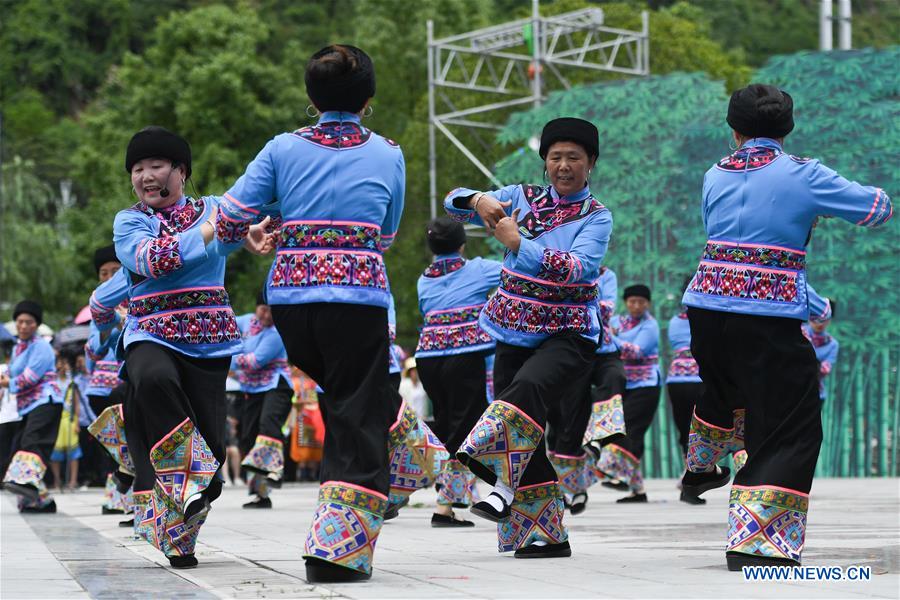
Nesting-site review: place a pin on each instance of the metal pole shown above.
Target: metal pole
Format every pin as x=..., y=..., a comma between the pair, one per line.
x=536, y=51
x=432, y=148
x=645, y=21
x=844, y=25
x=825, y=24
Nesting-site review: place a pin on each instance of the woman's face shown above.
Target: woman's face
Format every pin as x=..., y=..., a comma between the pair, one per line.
x=637, y=306
x=151, y=176
x=26, y=325
x=264, y=315
x=107, y=270
x=568, y=166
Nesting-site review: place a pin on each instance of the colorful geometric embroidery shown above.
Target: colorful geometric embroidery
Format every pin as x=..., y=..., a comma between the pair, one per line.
x=266, y=456
x=457, y=485
x=452, y=329
x=213, y=297
x=230, y=231
x=26, y=468
x=521, y=314
x=26, y=396
x=755, y=254
x=416, y=455
x=640, y=369
x=546, y=291
x=559, y=266
x=109, y=429
x=319, y=268
x=503, y=441
x=444, y=267
x=766, y=521
x=184, y=463
x=737, y=441
x=105, y=375
x=162, y=255
x=748, y=159
x=214, y=326
x=707, y=444
x=112, y=498
x=607, y=419
x=43, y=500
x=570, y=470
x=547, y=213
x=298, y=234
x=159, y=522
x=257, y=378
x=683, y=364
x=618, y=463
x=335, y=134
x=740, y=459
x=536, y=515
x=346, y=525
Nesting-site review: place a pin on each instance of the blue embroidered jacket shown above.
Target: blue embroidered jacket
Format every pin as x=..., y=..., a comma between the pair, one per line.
x=550, y=285
x=452, y=292
x=638, y=342
x=826, y=348
x=759, y=206
x=396, y=352
x=177, y=296
x=263, y=358
x=340, y=189
x=100, y=354
x=32, y=375
x=608, y=287
x=683, y=368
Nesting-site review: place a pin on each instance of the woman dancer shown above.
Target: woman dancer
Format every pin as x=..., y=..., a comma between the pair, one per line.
x=744, y=304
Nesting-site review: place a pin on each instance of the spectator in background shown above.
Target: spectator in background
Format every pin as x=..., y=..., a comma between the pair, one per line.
x=67, y=449
x=413, y=392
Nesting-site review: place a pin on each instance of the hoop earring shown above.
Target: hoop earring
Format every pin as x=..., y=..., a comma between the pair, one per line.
x=368, y=111
x=312, y=111
x=732, y=145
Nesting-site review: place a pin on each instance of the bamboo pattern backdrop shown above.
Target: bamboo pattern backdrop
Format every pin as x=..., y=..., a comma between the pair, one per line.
x=658, y=136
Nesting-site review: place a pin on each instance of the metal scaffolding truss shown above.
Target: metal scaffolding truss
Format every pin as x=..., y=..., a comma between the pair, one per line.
x=476, y=79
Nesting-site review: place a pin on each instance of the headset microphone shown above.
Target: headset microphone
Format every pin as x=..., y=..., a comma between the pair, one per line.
x=164, y=193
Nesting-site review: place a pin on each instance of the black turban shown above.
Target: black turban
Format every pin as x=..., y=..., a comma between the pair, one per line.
x=336, y=86
x=104, y=255
x=639, y=290
x=570, y=129
x=158, y=142
x=261, y=297
x=444, y=235
x=761, y=111
x=28, y=307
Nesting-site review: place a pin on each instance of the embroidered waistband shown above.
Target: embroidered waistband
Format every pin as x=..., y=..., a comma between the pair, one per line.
x=298, y=234
x=682, y=353
x=547, y=291
x=755, y=254
x=178, y=300
x=453, y=316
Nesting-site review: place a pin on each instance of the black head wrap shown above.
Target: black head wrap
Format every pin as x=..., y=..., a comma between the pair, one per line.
x=158, y=142
x=760, y=110
x=104, y=255
x=639, y=290
x=444, y=235
x=338, y=84
x=29, y=307
x=570, y=129
x=261, y=297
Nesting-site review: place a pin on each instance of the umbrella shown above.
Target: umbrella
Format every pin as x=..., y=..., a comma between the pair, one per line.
x=83, y=316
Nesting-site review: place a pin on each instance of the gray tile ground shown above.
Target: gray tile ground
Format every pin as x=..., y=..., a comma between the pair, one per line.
x=661, y=549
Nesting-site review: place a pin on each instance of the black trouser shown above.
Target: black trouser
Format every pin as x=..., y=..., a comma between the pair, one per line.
x=168, y=387
x=766, y=366
x=345, y=349
x=602, y=381
x=98, y=463
x=38, y=430
x=683, y=397
x=532, y=380
x=457, y=388
x=8, y=433
x=264, y=413
x=639, y=405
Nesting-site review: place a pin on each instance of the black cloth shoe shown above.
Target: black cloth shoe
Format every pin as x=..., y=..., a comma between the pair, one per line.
x=615, y=485
x=258, y=503
x=50, y=508
x=579, y=503
x=688, y=499
x=273, y=481
x=29, y=492
x=448, y=521
x=196, y=510
x=694, y=484
x=126, y=523
x=486, y=511
x=188, y=561
x=111, y=511
x=632, y=499
x=393, y=510
x=322, y=571
x=562, y=550
x=738, y=560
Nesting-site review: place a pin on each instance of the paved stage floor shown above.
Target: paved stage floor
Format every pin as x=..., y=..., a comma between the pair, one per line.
x=663, y=549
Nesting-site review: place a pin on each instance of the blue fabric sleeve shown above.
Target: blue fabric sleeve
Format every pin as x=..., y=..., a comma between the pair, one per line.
x=836, y=196
x=395, y=210
x=456, y=202
x=141, y=250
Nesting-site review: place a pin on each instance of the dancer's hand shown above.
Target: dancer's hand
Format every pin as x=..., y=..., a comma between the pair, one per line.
x=258, y=241
x=4, y=380
x=489, y=209
x=507, y=231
